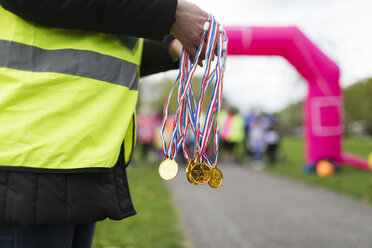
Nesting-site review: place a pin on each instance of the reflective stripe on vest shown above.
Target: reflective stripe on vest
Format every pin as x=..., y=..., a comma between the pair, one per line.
x=67, y=97
x=80, y=63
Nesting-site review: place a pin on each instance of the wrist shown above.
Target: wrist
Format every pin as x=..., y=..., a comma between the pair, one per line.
x=175, y=50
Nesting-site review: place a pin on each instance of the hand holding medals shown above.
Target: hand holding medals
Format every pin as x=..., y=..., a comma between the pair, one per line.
x=200, y=169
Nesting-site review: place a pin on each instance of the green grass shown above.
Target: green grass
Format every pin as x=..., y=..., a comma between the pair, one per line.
x=349, y=180
x=156, y=224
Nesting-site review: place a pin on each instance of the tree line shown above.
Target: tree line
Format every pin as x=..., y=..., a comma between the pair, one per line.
x=357, y=111
x=357, y=106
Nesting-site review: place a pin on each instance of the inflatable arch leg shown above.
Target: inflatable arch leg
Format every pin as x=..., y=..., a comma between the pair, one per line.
x=323, y=105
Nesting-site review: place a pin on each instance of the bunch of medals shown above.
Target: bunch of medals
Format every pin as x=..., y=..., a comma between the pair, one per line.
x=200, y=168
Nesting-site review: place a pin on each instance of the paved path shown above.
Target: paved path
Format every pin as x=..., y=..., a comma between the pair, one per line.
x=253, y=209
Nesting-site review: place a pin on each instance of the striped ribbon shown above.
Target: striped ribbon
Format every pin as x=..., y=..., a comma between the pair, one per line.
x=188, y=113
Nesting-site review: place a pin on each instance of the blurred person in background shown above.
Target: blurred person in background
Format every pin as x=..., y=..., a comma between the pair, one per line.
x=248, y=119
x=232, y=134
x=147, y=122
x=272, y=138
x=257, y=142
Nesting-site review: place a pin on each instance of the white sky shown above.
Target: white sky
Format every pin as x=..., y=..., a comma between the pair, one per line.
x=342, y=29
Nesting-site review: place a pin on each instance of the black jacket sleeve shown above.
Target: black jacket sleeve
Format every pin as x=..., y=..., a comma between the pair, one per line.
x=155, y=57
x=151, y=19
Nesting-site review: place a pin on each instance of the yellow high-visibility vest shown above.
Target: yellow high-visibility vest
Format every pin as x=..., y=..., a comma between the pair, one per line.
x=67, y=97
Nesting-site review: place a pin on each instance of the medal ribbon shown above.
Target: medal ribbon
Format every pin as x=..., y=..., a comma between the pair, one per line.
x=185, y=117
x=171, y=150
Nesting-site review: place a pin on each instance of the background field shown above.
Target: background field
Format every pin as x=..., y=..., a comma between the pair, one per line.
x=157, y=223
x=351, y=181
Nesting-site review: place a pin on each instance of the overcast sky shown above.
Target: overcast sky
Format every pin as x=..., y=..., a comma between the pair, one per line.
x=342, y=29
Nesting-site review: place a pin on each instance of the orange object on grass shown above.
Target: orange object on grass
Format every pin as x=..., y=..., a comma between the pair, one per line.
x=324, y=168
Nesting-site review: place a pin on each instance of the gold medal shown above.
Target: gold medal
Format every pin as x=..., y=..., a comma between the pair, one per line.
x=189, y=167
x=168, y=169
x=188, y=171
x=216, y=177
x=201, y=173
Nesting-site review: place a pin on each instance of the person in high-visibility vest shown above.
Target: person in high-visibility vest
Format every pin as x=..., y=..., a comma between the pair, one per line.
x=68, y=91
x=232, y=134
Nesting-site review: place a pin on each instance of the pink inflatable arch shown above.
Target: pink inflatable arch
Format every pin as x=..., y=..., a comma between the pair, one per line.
x=323, y=106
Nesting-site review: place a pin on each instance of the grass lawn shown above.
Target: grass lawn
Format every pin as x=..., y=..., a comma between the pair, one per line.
x=156, y=225
x=352, y=181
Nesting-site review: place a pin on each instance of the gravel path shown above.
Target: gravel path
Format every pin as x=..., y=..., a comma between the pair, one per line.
x=253, y=209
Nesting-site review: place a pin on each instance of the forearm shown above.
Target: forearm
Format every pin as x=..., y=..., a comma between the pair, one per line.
x=150, y=19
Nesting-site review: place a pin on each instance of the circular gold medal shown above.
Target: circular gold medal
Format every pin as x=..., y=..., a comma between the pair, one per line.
x=201, y=173
x=168, y=169
x=188, y=172
x=216, y=177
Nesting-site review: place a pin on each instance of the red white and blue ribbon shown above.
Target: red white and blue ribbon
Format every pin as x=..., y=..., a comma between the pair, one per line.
x=188, y=113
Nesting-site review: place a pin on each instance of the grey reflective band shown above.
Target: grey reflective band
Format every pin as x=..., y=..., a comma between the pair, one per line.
x=75, y=62
x=134, y=85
